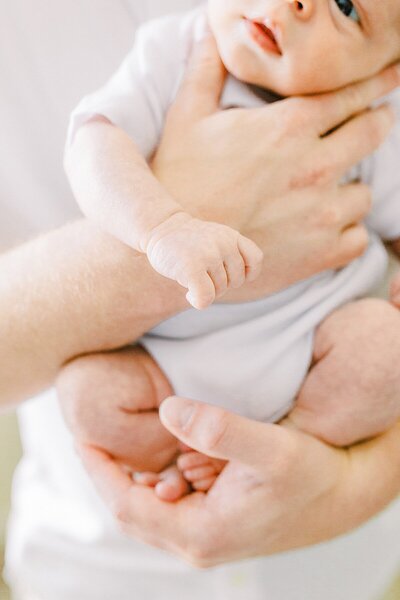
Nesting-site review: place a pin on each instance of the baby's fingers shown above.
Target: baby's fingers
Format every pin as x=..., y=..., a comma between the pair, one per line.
x=252, y=257
x=236, y=270
x=201, y=291
x=219, y=278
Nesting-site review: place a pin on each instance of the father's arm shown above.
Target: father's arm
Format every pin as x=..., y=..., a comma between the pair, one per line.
x=71, y=292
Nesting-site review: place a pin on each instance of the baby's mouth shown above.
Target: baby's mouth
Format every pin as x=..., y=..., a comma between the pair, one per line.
x=264, y=36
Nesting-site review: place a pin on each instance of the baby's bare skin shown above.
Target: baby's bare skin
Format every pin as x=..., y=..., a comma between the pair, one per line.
x=111, y=400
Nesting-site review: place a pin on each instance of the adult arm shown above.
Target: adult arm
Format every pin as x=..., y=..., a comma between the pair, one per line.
x=70, y=292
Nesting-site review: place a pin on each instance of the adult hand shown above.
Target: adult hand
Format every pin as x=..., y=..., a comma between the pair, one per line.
x=272, y=172
x=282, y=489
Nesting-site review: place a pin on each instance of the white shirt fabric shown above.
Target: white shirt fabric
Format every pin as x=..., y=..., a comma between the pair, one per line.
x=62, y=543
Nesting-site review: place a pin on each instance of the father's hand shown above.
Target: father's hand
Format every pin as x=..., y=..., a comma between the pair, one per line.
x=272, y=172
x=281, y=489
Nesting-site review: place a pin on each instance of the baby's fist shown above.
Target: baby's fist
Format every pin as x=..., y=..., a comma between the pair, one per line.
x=205, y=257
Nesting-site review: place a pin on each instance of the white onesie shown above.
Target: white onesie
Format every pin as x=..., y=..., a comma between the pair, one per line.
x=251, y=357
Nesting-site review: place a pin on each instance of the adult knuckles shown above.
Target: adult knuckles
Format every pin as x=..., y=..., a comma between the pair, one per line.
x=378, y=123
x=351, y=99
x=364, y=195
x=295, y=113
x=329, y=216
x=319, y=173
x=355, y=245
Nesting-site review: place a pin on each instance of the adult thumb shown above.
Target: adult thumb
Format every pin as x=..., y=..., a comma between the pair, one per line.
x=200, y=91
x=222, y=434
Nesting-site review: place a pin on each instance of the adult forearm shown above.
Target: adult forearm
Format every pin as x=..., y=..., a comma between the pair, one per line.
x=70, y=292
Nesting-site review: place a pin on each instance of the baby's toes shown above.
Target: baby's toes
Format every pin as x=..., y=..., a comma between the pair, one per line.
x=146, y=478
x=172, y=485
x=203, y=485
x=192, y=459
x=200, y=473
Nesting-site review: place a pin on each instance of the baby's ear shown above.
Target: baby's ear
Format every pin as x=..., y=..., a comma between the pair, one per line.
x=394, y=290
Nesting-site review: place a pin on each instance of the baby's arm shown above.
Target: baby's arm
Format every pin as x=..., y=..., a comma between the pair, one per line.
x=114, y=187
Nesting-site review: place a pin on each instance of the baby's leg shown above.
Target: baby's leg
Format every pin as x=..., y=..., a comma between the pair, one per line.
x=352, y=391
x=111, y=400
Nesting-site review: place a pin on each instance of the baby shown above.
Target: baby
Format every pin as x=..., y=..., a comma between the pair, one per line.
x=251, y=358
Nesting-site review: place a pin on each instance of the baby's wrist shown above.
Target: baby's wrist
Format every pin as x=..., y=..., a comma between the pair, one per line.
x=167, y=226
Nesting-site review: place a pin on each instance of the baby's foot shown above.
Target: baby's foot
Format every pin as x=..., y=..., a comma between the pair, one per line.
x=200, y=470
x=169, y=485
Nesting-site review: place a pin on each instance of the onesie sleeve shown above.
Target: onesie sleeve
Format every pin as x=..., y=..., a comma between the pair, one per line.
x=138, y=95
x=382, y=173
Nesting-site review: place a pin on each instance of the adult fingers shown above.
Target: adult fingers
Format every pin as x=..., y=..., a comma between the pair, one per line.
x=201, y=89
x=352, y=243
x=109, y=478
x=136, y=508
x=222, y=434
x=373, y=485
x=330, y=110
x=354, y=202
x=357, y=139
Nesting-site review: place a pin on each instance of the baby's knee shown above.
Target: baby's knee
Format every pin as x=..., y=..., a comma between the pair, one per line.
x=360, y=322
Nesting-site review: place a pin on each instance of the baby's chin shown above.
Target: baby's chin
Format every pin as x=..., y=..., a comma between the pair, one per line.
x=284, y=83
x=278, y=85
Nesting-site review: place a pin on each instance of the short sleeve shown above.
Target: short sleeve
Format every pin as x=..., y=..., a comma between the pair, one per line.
x=138, y=95
x=382, y=173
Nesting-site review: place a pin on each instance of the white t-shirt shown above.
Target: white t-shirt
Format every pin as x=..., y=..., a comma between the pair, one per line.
x=62, y=542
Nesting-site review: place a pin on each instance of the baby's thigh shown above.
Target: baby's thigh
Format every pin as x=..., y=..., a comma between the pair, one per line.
x=111, y=400
x=352, y=389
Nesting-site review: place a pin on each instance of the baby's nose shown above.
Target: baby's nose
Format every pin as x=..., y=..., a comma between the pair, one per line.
x=302, y=8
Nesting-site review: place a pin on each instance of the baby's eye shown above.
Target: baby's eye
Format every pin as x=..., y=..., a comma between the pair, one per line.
x=348, y=9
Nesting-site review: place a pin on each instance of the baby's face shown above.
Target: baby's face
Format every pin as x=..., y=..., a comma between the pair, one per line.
x=308, y=46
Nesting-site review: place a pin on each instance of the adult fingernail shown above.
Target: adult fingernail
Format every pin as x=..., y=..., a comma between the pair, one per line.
x=177, y=412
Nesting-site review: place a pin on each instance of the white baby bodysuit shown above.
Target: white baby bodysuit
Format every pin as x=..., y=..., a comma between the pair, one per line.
x=250, y=357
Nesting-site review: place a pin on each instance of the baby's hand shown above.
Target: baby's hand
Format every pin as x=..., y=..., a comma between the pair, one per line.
x=207, y=258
